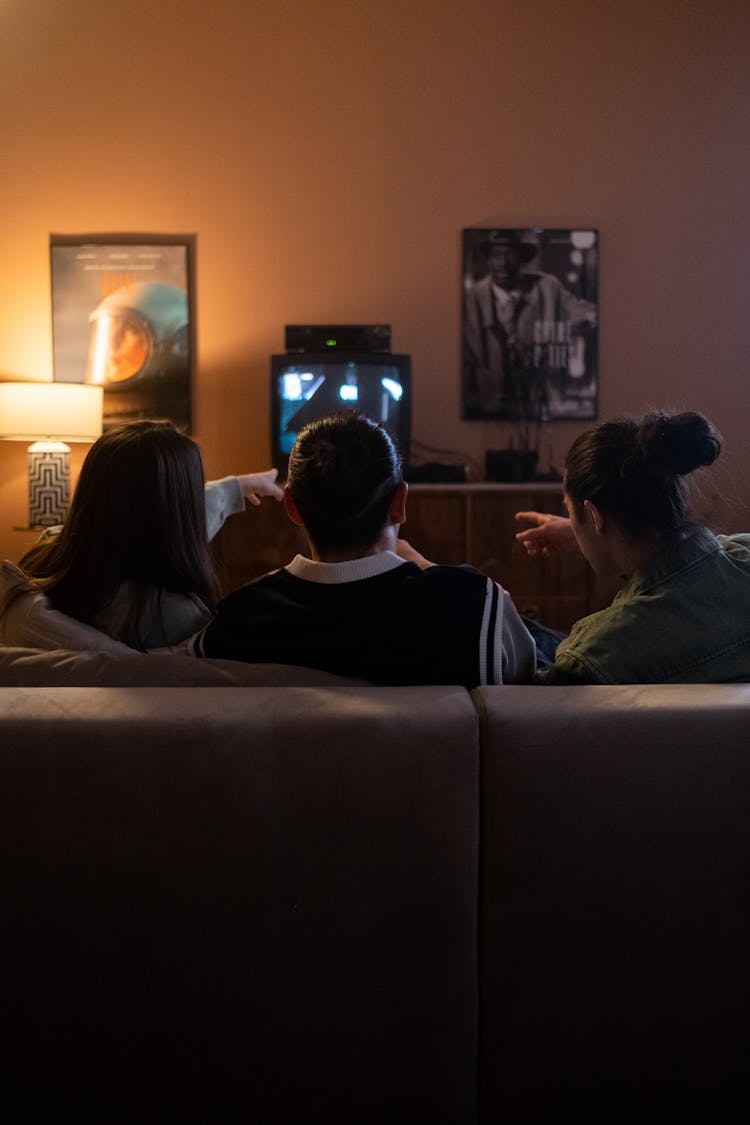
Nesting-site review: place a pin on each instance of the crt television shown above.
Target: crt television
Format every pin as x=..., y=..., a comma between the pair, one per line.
x=306, y=386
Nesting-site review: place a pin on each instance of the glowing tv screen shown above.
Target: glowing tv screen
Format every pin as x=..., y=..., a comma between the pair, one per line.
x=308, y=386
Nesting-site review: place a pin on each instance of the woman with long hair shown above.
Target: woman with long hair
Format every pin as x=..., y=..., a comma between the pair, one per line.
x=132, y=558
x=683, y=613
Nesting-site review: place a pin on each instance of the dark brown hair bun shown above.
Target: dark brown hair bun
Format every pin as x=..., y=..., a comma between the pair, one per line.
x=676, y=444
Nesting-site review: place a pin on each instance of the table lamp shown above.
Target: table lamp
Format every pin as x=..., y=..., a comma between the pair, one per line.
x=49, y=415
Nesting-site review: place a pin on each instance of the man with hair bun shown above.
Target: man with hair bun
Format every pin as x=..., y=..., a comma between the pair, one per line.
x=356, y=607
x=683, y=613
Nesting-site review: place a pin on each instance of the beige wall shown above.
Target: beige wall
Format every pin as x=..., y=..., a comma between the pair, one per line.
x=328, y=155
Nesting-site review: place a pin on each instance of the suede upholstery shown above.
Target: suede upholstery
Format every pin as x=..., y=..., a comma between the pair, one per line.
x=615, y=929
x=236, y=900
x=27, y=667
x=252, y=904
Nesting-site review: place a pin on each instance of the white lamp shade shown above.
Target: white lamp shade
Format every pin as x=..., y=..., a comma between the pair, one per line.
x=56, y=411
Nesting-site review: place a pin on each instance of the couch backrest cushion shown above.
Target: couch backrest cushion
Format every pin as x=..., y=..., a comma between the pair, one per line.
x=34, y=668
x=226, y=905
x=615, y=920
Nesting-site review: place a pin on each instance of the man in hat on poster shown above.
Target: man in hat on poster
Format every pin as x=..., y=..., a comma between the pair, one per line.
x=520, y=331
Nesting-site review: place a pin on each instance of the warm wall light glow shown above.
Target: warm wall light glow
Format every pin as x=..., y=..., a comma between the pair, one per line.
x=60, y=411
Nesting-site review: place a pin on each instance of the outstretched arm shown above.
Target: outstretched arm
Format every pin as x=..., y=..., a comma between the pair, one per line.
x=257, y=485
x=549, y=534
x=226, y=496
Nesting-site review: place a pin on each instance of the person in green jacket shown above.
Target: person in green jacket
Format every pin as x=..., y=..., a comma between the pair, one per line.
x=683, y=612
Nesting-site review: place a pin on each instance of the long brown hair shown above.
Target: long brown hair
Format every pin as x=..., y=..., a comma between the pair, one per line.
x=138, y=516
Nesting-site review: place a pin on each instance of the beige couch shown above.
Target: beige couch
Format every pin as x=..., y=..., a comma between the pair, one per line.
x=327, y=901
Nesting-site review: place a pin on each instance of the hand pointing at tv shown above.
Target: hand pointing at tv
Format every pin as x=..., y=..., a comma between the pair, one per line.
x=257, y=485
x=550, y=534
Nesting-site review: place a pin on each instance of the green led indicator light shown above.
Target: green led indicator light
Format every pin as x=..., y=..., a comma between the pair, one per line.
x=331, y=343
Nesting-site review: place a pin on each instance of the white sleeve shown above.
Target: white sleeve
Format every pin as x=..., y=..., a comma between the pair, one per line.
x=507, y=653
x=223, y=498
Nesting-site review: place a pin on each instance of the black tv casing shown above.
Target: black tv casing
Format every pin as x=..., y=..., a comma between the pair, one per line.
x=374, y=360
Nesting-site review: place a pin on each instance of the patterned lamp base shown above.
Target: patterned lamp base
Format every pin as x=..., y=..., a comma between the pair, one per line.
x=49, y=483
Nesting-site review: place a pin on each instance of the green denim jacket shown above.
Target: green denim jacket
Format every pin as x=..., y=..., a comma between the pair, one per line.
x=684, y=618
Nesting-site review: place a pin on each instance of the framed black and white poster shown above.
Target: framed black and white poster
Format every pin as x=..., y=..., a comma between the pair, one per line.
x=122, y=316
x=530, y=324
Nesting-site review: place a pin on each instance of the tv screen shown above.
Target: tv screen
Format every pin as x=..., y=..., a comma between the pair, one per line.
x=310, y=385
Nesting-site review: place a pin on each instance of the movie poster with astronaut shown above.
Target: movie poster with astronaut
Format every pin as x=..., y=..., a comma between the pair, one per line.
x=122, y=318
x=530, y=324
